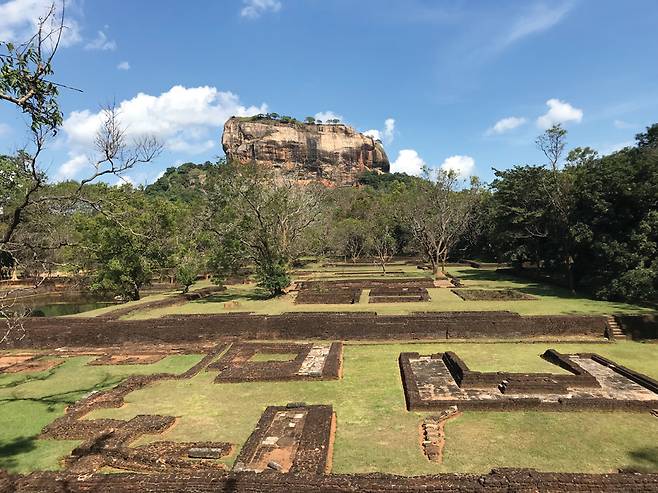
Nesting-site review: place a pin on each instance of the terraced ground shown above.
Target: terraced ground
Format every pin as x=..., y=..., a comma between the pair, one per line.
x=374, y=431
x=550, y=300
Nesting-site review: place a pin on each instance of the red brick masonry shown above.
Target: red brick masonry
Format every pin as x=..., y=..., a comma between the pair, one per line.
x=497, y=481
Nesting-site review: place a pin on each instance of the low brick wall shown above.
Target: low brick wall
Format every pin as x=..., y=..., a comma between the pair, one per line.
x=639, y=327
x=54, y=332
x=497, y=481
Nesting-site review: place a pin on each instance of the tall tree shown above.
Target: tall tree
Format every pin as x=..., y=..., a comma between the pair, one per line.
x=438, y=215
x=559, y=189
x=26, y=71
x=260, y=219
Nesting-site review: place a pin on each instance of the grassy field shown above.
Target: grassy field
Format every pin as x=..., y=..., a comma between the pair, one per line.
x=374, y=431
x=28, y=402
x=550, y=300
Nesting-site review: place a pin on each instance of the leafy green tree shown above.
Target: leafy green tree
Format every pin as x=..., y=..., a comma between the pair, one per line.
x=260, y=219
x=123, y=247
x=616, y=223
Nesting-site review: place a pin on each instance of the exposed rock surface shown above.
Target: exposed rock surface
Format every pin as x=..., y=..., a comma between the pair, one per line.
x=332, y=153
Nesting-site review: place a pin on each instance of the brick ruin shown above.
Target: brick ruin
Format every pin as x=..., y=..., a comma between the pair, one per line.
x=501, y=480
x=106, y=442
x=432, y=433
x=492, y=295
x=398, y=294
x=291, y=446
x=318, y=361
x=296, y=438
x=27, y=363
x=349, y=291
x=437, y=381
x=57, y=332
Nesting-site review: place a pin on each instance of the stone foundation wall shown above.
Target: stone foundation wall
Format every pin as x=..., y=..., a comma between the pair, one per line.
x=54, y=332
x=497, y=481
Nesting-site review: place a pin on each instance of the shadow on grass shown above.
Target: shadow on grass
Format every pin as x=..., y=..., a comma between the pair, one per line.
x=643, y=460
x=11, y=448
x=68, y=397
x=225, y=297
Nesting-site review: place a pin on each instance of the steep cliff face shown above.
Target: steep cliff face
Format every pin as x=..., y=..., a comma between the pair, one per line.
x=333, y=154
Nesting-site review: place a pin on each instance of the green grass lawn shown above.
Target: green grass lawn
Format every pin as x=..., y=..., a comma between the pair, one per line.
x=550, y=300
x=374, y=431
x=30, y=401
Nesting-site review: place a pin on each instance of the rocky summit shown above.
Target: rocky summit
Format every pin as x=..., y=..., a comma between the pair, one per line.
x=334, y=154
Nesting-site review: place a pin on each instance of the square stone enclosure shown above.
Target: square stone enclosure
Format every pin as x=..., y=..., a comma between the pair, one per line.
x=438, y=381
x=296, y=438
x=313, y=361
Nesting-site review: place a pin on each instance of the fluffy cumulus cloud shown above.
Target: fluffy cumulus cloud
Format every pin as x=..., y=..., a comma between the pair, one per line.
x=184, y=119
x=73, y=166
x=462, y=166
x=123, y=66
x=101, y=43
x=19, y=20
x=505, y=125
x=328, y=115
x=559, y=112
x=386, y=134
x=252, y=9
x=409, y=162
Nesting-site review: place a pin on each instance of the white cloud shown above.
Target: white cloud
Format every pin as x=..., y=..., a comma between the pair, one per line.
x=389, y=129
x=623, y=124
x=19, y=20
x=505, y=125
x=190, y=147
x=559, y=112
x=253, y=9
x=4, y=129
x=123, y=66
x=182, y=118
x=462, y=166
x=539, y=18
x=101, y=42
x=374, y=133
x=72, y=167
x=124, y=180
x=386, y=135
x=612, y=148
x=328, y=115
x=409, y=162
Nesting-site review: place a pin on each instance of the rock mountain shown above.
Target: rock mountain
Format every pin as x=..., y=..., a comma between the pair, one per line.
x=334, y=154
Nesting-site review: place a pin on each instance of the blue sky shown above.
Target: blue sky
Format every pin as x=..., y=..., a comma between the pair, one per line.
x=461, y=84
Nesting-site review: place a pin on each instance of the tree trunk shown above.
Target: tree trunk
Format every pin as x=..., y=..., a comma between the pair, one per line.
x=572, y=287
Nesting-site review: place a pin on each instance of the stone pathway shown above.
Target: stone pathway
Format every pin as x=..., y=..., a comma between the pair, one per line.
x=314, y=363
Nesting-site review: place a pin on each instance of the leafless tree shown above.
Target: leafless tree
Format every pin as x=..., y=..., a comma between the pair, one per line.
x=28, y=235
x=439, y=214
x=382, y=244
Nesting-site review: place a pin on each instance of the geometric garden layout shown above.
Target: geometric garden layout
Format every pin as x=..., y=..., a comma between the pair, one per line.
x=298, y=437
